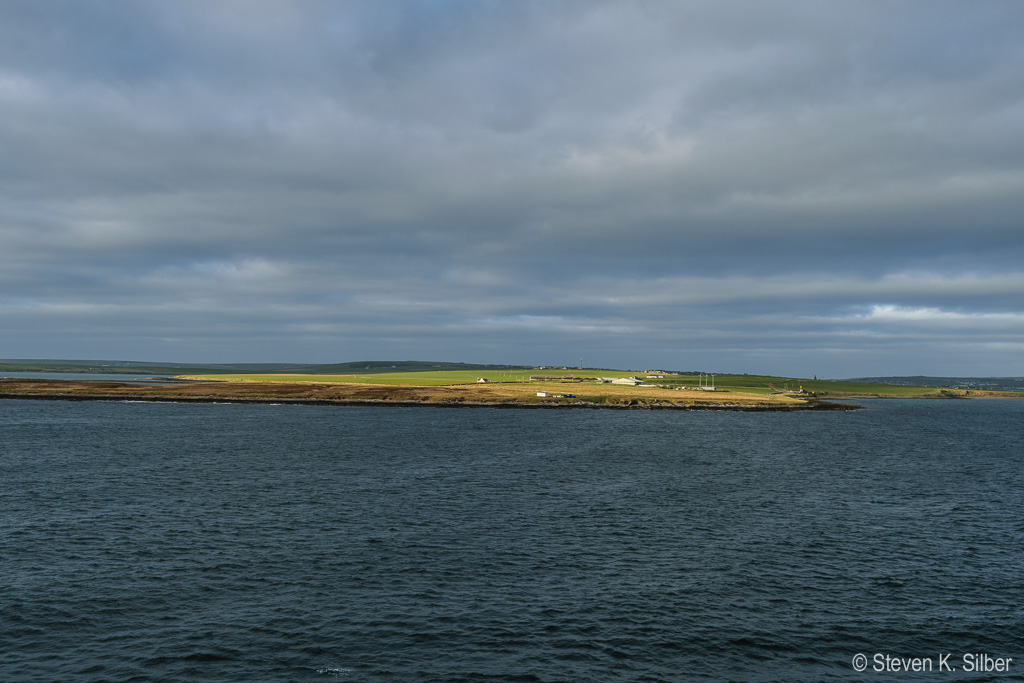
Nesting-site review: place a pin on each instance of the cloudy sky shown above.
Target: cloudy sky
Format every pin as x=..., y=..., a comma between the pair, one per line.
x=801, y=188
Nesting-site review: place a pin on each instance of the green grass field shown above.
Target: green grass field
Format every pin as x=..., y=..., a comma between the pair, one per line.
x=767, y=384
x=422, y=379
x=750, y=384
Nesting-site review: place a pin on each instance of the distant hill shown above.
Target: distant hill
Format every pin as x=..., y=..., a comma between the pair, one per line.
x=977, y=383
x=371, y=366
x=149, y=368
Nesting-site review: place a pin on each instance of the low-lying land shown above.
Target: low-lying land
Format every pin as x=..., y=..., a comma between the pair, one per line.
x=587, y=381
x=498, y=387
x=511, y=395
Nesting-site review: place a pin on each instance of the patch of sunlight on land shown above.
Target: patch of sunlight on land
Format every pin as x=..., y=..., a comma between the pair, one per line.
x=754, y=385
x=517, y=385
x=416, y=379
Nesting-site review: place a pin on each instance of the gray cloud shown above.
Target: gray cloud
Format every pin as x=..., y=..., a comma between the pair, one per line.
x=789, y=187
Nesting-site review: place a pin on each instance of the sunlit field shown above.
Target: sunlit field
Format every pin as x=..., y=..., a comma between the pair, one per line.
x=418, y=379
x=760, y=385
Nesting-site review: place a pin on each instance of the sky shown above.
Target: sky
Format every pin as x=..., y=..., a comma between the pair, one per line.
x=831, y=189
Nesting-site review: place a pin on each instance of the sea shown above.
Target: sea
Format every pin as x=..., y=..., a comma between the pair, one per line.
x=227, y=542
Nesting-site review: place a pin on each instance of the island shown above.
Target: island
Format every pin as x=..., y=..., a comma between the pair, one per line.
x=484, y=386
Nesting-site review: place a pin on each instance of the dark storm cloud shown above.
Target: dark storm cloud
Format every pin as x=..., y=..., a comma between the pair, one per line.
x=795, y=187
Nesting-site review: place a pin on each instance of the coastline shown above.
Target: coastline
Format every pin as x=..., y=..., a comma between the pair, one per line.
x=364, y=396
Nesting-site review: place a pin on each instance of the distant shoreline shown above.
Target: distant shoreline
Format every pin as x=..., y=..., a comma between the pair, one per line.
x=582, y=405
x=292, y=394
x=514, y=395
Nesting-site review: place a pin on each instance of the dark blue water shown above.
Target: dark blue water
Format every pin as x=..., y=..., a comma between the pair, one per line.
x=170, y=542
